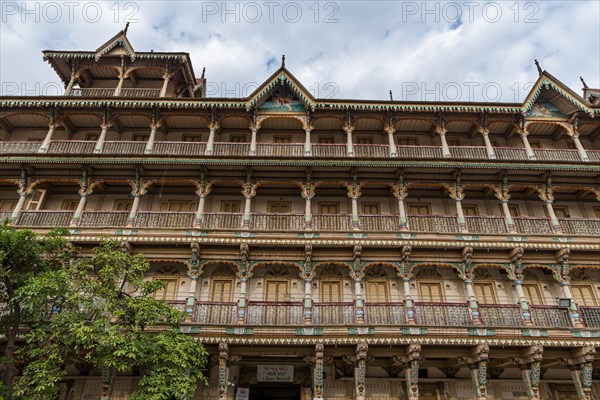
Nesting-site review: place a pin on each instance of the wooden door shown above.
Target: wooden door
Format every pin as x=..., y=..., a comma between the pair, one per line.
x=404, y=141
x=329, y=208
x=370, y=208
x=122, y=205
x=484, y=291
x=276, y=290
x=282, y=139
x=331, y=291
x=36, y=200
x=237, y=138
x=419, y=209
x=179, y=206
x=364, y=140
x=377, y=292
x=279, y=207
x=326, y=139
x=169, y=291
x=533, y=293
x=231, y=206
x=222, y=290
x=431, y=292
x=584, y=295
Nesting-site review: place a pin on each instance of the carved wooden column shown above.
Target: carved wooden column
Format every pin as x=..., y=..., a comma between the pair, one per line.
x=441, y=131
x=521, y=130
x=254, y=128
x=467, y=258
x=307, y=277
x=203, y=189
x=100, y=142
x=318, y=372
x=349, y=128
x=354, y=192
x=84, y=191
x=412, y=359
x=150, y=144
x=23, y=192
x=489, y=149
x=308, y=128
x=308, y=192
x=243, y=274
x=547, y=196
x=573, y=132
x=360, y=371
x=390, y=130
x=210, y=144
x=140, y=188
x=357, y=274
x=478, y=363
x=194, y=273
x=581, y=366
x=405, y=275
x=400, y=192
x=516, y=258
x=248, y=191
x=52, y=125
x=74, y=77
x=457, y=194
x=223, y=371
x=502, y=194
x=531, y=370
x=564, y=280
x=122, y=76
x=166, y=78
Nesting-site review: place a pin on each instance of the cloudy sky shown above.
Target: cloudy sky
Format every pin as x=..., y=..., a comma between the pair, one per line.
x=461, y=50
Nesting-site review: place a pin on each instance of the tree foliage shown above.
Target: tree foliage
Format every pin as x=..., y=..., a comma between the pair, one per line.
x=99, y=311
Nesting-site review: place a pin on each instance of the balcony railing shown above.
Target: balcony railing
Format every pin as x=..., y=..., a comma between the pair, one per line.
x=333, y=313
x=212, y=313
x=556, y=155
x=19, y=147
x=594, y=155
x=93, y=92
x=372, y=150
x=166, y=220
x=382, y=223
x=193, y=149
x=140, y=92
x=510, y=153
x=179, y=305
x=433, y=223
x=222, y=221
x=4, y=215
x=231, y=149
x=329, y=150
x=271, y=313
x=469, y=152
x=71, y=147
x=332, y=222
x=487, y=224
x=45, y=219
x=591, y=316
x=572, y=226
x=103, y=219
x=550, y=316
x=280, y=150
x=533, y=226
x=124, y=148
x=420, y=152
x=277, y=222
x=442, y=314
x=501, y=315
x=385, y=314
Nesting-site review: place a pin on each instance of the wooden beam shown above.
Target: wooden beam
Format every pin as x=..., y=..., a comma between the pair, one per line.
x=558, y=133
x=134, y=78
x=473, y=131
x=68, y=127
x=7, y=126
x=509, y=132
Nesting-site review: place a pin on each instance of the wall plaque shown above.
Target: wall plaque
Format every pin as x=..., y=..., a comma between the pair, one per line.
x=275, y=373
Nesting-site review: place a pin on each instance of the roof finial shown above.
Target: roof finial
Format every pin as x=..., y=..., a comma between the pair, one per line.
x=126, y=27
x=283, y=61
x=585, y=86
x=203, y=71
x=539, y=68
x=391, y=97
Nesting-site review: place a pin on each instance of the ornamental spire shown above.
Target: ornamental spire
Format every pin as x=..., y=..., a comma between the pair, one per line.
x=126, y=28
x=585, y=86
x=283, y=61
x=391, y=96
x=539, y=68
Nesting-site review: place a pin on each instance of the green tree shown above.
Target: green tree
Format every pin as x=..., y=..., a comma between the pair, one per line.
x=23, y=256
x=101, y=312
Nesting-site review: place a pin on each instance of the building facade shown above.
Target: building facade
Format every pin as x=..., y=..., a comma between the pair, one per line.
x=329, y=249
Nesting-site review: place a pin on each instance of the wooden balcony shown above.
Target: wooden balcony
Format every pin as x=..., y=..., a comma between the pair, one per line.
x=71, y=147
x=442, y=314
x=222, y=221
x=550, y=316
x=501, y=315
x=329, y=150
x=577, y=226
x=19, y=147
x=556, y=155
x=272, y=313
x=179, y=305
x=533, y=226
x=164, y=220
x=487, y=224
x=294, y=150
x=212, y=313
x=109, y=92
x=591, y=316
x=594, y=155
x=433, y=223
x=380, y=223
x=510, y=153
x=124, y=148
x=140, y=92
x=231, y=149
x=333, y=313
x=469, y=152
x=103, y=219
x=385, y=314
x=332, y=222
x=191, y=149
x=277, y=222
x=5, y=215
x=432, y=152
x=372, y=151
x=45, y=219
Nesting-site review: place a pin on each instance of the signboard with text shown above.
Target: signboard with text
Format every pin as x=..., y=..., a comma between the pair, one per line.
x=275, y=373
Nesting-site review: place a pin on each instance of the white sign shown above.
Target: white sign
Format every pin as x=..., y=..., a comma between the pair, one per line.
x=242, y=394
x=275, y=373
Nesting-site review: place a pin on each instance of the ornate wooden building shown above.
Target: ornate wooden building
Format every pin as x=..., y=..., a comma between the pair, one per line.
x=329, y=249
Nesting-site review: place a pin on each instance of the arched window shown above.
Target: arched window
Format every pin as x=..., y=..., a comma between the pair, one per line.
x=222, y=283
x=170, y=275
x=582, y=288
x=330, y=284
x=377, y=285
x=430, y=284
x=485, y=287
x=277, y=284
x=532, y=288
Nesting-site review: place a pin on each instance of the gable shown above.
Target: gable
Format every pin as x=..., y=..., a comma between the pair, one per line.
x=281, y=92
x=117, y=45
x=551, y=98
x=282, y=99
